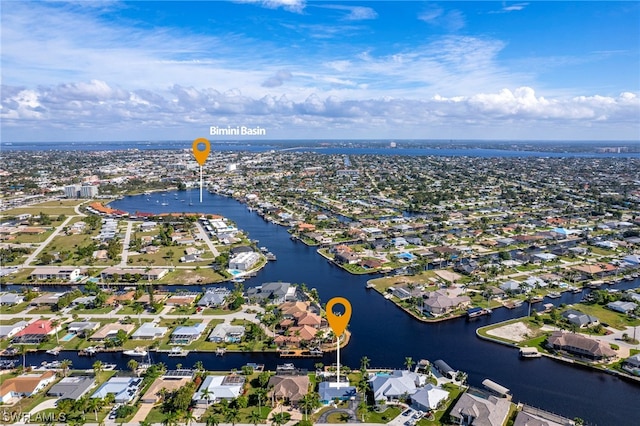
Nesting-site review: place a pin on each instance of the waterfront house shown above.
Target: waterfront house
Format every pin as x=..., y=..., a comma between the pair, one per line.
x=65, y=273
x=149, y=331
x=632, y=364
x=477, y=409
x=580, y=319
x=72, y=387
x=109, y=331
x=288, y=388
x=227, y=333
x=540, y=418
x=244, y=261
x=25, y=385
x=119, y=296
x=622, y=307
x=35, y=333
x=511, y=286
x=86, y=301
x=274, y=292
x=184, y=335
x=9, y=299
x=49, y=299
x=331, y=391
x=124, y=389
x=580, y=345
x=439, y=302
x=219, y=387
x=82, y=327
x=428, y=398
x=213, y=297
x=396, y=384
x=179, y=299
x=170, y=383
x=10, y=330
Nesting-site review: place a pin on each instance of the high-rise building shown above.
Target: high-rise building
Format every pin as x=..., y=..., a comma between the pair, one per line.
x=72, y=191
x=88, y=191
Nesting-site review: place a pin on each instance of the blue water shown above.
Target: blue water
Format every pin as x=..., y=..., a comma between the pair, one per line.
x=387, y=335
x=520, y=149
x=68, y=337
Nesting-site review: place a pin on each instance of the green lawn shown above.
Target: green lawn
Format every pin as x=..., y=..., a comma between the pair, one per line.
x=614, y=319
x=8, y=310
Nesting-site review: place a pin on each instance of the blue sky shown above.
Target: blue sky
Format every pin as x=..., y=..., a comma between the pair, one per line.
x=107, y=70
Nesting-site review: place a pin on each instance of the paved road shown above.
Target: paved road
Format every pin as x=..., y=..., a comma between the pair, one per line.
x=33, y=256
x=125, y=244
x=205, y=237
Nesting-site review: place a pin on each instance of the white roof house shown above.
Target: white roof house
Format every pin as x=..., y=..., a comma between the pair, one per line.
x=220, y=387
x=149, y=330
x=428, y=397
x=396, y=384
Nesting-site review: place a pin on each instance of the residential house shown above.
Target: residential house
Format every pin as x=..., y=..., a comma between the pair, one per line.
x=214, y=297
x=622, y=307
x=36, y=332
x=274, y=292
x=82, y=327
x=72, y=387
x=511, y=286
x=163, y=384
x=149, y=331
x=332, y=391
x=580, y=345
x=218, y=388
x=439, y=302
x=473, y=409
x=289, y=388
x=49, y=299
x=110, y=331
x=580, y=319
x=632, y=364
x=9, y=299
x=428, y=398
x=186, y=334
x=244, y=261
x=10, y=330
x=395, y=385
x=65, y=273
x=540, y=418
x=181, y=299
x=25, y=385
x=227, y=333
x=124, y=389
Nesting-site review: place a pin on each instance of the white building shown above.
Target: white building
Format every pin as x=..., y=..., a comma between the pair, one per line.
x=244, y=261
x=72, y=191
x=88, y=191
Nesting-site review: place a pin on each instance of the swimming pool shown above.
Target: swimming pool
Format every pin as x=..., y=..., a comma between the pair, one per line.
x=68, y=337
x=234, y=272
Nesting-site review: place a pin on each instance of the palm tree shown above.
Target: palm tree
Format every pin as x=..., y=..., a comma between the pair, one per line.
x=94, y=404
x=189, y=417
x=261, y=393
x=138, y=309
x=65, y=364
x=212, y=420
x=254, y=417
x=278, y=419
x=408, y=361
x=206, y=394
x=98, y=367
x=232, y=416
x=364, y=363
x=132, y=365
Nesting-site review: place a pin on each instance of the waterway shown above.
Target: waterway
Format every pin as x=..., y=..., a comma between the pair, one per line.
x=387, y=335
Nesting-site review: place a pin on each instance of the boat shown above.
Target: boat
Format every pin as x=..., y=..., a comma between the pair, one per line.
x=264, y=249
x=528, y=352
x=476, y=312
x=164, y=204
x=271, y=256
x=535, y=299
x=554, y=295
x=137, y=352
x=220, y=351
x=237, y=280
x=370, y=285
x=576, y=290
x=90, y=351
x=10, y=351
x=54, y=351
x=177, y=351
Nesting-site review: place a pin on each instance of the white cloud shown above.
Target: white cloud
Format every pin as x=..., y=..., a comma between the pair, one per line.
x=354, y=13
x=296, y=6
x=452, y=20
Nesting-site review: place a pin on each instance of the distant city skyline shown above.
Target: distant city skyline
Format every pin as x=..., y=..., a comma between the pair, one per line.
x=108, y=70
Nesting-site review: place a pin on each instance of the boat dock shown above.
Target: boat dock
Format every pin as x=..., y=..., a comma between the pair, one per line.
x=299, y=353
x=528, y=352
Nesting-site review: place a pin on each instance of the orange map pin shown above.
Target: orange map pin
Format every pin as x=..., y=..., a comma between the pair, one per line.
x=338, y=323
x=201, y=148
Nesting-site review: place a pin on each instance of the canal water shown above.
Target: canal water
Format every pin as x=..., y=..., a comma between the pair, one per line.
x=387, y=335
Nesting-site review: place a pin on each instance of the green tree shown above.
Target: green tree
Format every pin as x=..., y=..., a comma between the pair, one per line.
x=98, y=367
x=408, y=362
x=254, y=417
x=65, y=365
x=132, y=365
x=232, y=416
